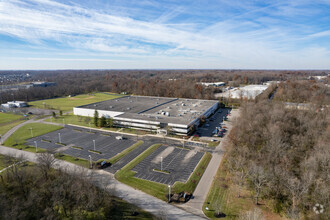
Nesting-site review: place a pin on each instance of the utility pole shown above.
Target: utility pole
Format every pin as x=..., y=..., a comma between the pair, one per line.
x=59, y=138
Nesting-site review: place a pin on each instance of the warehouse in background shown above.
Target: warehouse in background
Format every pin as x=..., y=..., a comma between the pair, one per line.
x=178, y=116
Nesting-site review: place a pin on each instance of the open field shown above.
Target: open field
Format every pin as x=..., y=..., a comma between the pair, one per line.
x=67, y=103
x=17, y=140
x=126, y=175
x=6, y=117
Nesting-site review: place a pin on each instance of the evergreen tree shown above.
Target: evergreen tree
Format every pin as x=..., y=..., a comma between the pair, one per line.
x=96, y=118
x=103, y=121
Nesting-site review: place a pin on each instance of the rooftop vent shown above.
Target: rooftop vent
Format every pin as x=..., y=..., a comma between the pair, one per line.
x=110, y=106
x=128, y=108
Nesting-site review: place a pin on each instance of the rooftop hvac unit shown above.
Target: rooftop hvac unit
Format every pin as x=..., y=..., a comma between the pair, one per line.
x=131, y=101
x=163, y=113
x=128, y=108
x=94, y=104
x=183, y=104
x=167, y=114
x=110, y=106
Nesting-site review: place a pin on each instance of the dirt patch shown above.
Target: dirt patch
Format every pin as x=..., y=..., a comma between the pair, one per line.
x=163, y=154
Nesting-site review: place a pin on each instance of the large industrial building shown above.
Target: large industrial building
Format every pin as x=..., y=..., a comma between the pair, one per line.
x=152, y=113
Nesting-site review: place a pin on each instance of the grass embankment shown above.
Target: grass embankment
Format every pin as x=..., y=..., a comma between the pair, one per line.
x=158, y=190
x=125, y=152
x=2, y=162
x=8, y=121
x=67, y=103
x=17, y=140
x=6, y=117
x=213, y=143
x=75, y=160
x=223, y=193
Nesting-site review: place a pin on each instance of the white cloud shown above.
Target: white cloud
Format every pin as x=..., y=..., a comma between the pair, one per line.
x=230, y=43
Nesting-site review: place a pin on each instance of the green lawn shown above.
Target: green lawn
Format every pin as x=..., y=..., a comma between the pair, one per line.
x=7, y=127
x=71, y=159
x=126, y=175
x=6, y=118
x=17, y=140
x=223, y=194
x=67, y=103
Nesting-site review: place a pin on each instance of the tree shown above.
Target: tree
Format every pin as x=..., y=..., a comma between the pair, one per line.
x=103, y=122
x=61, y=112
x=96, y=118
x=45, y=160
x=109, y=122
x=54, y=114
x=258, y=179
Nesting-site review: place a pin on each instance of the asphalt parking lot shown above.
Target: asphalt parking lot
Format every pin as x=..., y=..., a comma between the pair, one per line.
x=179, y=162
x=106, y=143
x=207, y=129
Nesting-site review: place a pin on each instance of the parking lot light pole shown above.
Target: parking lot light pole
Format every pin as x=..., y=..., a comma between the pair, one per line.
x=90, y=161
x=36, y=146
x=94, y=144
x=161, y=163
x=31, y=132
x=169, y=193
x=59, y=138
x=63, y=122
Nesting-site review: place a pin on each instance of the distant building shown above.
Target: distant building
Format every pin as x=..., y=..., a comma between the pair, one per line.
x=250, y=92
x=214, y=84
x=43, y=84
x=14, y=104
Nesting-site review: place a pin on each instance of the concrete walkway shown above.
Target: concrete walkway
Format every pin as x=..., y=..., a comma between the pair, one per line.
x=205, y=183
x=106, y=181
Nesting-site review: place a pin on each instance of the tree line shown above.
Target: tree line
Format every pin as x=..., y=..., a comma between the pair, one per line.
x=282, y=154
x=165, y=83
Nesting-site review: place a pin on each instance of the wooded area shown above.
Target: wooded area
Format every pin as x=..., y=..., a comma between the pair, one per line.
x=165, y=83
x=282, y=154
x=40, y=192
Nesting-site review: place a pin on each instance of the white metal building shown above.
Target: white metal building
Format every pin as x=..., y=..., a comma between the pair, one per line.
x=151, y=113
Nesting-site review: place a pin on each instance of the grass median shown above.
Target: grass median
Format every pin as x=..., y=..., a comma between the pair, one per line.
x=125, y=152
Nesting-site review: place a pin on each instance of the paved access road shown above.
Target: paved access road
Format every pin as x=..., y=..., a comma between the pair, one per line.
x=205, y=183
x=107, y=181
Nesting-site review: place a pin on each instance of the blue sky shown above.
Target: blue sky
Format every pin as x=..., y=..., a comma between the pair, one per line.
x=148, y=34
